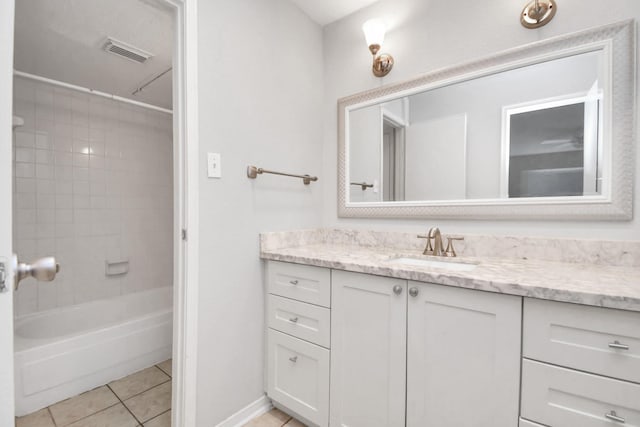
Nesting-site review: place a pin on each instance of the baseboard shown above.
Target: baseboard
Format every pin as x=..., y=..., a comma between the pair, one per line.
x=248, y=413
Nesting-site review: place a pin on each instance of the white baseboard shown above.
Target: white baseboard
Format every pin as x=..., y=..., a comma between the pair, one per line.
x=246, y=414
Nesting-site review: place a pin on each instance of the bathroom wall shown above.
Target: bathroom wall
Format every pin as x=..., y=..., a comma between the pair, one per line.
x=427, y=35
x=93, y=182
x=260, y=91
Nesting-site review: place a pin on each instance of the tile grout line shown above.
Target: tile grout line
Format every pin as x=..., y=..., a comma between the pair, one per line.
x=163, y=371
x=168, y=410
x=285, y=423
x=125, y=406
x=53, y=420
x=85, y=417
x=138, y=394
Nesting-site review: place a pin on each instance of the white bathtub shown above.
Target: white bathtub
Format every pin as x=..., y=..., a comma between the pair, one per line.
x=63, y=352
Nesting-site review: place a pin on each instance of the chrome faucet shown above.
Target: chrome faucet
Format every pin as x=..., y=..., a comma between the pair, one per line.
x=434, y=233
x=437, y=248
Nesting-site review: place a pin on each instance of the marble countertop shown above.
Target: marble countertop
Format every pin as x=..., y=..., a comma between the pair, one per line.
x=596, y=285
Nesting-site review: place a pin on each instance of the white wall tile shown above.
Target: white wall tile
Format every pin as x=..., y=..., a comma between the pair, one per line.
x=70, y=181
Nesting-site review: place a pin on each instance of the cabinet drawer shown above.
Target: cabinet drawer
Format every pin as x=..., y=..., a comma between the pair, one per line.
x=593, y=339
x=298, y=376
x=301, y=282
x=302, y=320
x=561, y=397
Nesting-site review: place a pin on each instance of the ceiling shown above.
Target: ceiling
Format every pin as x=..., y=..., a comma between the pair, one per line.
x=327, y=11
x=63, y=39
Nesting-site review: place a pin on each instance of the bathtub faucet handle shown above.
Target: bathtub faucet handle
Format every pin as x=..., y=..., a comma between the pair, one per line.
x=43, y=270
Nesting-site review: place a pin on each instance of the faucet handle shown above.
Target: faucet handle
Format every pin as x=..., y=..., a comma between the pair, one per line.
x=450, y=251
x=428, y=250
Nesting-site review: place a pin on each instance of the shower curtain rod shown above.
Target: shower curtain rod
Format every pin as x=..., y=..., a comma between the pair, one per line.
x=91, y=91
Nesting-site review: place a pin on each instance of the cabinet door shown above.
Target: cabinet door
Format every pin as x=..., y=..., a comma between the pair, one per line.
x=368, y=350
x=463, y=357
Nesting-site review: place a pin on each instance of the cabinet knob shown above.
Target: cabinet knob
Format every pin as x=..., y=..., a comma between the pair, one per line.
x=413, y=292
x=293, y=282
x=397, y=289
x=293, y=320
x=618, y=345
x=294, y=359
x=614, y=417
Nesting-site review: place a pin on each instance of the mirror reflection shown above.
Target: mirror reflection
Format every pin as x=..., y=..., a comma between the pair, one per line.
x=533, y=131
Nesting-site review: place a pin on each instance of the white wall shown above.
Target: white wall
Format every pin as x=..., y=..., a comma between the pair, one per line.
x=260, y=83
x=93, y=182
x=427, y=35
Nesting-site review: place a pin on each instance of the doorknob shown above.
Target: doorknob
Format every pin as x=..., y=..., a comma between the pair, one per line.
x=43, y=270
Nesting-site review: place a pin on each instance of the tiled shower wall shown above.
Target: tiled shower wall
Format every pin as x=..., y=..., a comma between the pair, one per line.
x=93, y=183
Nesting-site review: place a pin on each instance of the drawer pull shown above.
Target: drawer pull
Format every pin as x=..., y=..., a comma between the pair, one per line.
x=618, y=345
x=294, y=359
x=293, y=320
x=293, y=282
x=614, y=417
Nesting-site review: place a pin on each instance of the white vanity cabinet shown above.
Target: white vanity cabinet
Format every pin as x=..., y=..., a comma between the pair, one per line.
x=357, y=350
x=298, y=339
x=581, y=365
x=456, y=353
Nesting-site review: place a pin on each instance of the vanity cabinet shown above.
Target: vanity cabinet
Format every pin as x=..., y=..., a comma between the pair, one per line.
x=454, y=352
x=297, y=350
x=581, y=365
x=356, y=350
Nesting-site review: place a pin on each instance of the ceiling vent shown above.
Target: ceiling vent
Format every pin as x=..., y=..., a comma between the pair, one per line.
x=126, y=51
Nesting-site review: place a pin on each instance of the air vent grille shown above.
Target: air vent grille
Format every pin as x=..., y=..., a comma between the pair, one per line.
x=126, y=51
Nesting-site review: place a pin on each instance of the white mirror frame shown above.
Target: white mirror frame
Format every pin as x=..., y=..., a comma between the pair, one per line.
x=617, y=42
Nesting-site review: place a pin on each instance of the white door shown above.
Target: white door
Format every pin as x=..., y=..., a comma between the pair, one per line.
x=368, y=350
x=6, y=297
x=463, y=357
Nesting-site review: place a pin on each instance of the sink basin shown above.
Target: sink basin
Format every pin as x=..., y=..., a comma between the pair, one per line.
x=444, y=265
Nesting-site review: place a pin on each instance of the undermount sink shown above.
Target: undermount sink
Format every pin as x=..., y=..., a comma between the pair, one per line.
x=444, y=265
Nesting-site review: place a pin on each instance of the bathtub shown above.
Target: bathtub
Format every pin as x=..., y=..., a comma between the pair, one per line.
x=63, y=352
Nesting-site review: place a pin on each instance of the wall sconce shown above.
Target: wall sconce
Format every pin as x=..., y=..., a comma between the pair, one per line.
x=538, y=13
x=374, y=30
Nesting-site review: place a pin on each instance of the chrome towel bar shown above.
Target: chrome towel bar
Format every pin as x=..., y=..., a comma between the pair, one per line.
x=253, y=172
x=364, y=185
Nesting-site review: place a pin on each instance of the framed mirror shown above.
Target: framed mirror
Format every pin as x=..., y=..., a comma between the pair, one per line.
x=544, y=131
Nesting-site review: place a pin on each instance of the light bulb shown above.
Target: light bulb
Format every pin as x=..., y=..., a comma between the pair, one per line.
x=374, y=30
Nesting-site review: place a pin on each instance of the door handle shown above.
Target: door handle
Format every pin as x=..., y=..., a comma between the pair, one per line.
x=43, y=270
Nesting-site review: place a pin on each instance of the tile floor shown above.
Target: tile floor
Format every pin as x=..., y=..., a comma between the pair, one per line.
x=141, y=399
x=274, y=418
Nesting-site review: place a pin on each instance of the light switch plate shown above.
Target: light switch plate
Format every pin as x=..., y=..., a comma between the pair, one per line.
x=214, y=167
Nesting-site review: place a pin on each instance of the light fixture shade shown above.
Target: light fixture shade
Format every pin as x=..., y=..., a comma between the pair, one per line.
x=374, y=30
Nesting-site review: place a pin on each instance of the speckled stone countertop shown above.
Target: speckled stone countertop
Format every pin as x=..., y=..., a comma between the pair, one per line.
x=581, y=283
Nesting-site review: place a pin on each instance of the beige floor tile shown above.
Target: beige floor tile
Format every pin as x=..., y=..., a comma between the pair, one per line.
x=151, y=403
x=42, y=418
x=273, y=418
x=116, y=416
x=295, y=423
x=136, y=383
x=75, y=408
x=165, y=366
x=163, y=420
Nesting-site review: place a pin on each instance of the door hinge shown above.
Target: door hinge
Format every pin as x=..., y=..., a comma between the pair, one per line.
x=184, y=234
x=3, y=277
